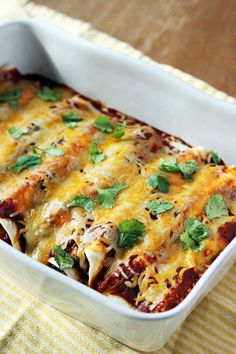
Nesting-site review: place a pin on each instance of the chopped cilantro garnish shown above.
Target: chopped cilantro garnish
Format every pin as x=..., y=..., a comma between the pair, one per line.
x=71, y=119
x=52, y=151
x=159, y=181
x=26, y=161
x=11, y=97
x=194, y=233
x=106, y=196
x=216, y=207
x=169, y=165
x=130, y=233
x=83, y=201
x=63, y=259
x=119, y=131
x=214, y=157
x=17, y=133
x=188, y=168
x=103, y=123
x=49, y=94
x=159, y=207
x=95, y=154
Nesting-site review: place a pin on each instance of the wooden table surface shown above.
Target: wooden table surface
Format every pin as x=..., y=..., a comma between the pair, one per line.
x=196, y=36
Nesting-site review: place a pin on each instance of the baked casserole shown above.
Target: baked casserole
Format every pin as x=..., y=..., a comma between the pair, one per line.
x=132, y=212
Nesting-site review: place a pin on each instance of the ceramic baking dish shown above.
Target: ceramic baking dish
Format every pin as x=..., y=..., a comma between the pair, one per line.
x=152, y=95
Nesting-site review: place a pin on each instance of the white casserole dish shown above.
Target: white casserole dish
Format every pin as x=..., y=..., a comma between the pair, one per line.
x=152, y=95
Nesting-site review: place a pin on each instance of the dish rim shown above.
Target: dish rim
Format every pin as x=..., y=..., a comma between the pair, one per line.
x=30, y=22
x=82, y=288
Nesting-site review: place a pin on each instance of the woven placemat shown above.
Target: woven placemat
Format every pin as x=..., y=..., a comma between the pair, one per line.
x=30, y=326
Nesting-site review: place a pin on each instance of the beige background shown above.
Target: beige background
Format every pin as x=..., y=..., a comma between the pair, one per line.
x=196, y=36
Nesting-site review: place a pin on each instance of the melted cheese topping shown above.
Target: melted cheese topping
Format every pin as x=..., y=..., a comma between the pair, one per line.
x=40, y=196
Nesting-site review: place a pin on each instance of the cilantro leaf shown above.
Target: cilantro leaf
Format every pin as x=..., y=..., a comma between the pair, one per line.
x=189, y=243
x=52, y=151
x=70, y=119
x=215, y=157
x=26, y=161
x=82, y=201
x=17, y=133
x=95, y=154
x=216, y=207
x=63, y=259
x=169, y=165
x=159, y=207
x=49, y=94
x=11, y=97
x=103, y=123
x=188, y=168
x=119, y=131
x=130, y=232
x=194, y=233
x=106, y=196
x=159, y=181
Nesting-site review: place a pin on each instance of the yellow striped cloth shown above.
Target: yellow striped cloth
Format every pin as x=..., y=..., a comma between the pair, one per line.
x=29, y=326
